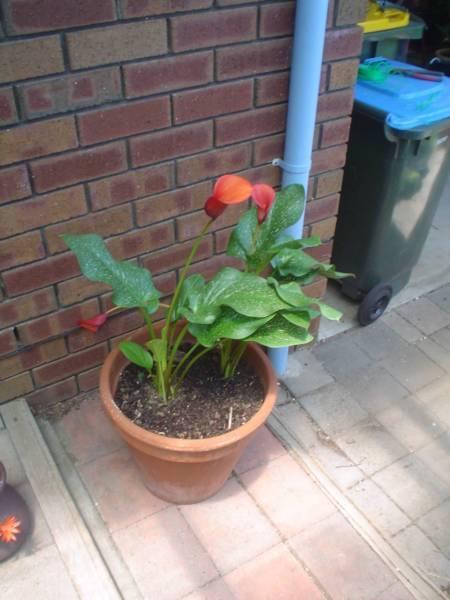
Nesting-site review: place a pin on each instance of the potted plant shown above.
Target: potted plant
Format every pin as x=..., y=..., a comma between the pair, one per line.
x=188, y=393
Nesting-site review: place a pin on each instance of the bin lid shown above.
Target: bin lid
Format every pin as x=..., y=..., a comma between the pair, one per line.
x=407, y=102
x=381, y=17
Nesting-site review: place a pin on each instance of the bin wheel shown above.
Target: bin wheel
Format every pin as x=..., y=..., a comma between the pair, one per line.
x=374, y=304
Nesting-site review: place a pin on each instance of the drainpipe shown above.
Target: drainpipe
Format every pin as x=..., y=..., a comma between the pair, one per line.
x=306, y=65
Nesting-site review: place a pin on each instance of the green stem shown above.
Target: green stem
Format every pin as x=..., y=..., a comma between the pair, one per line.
x=191, y=350
x=237, y=357
x=173, y=351
x=149, y=323
x=189, y=366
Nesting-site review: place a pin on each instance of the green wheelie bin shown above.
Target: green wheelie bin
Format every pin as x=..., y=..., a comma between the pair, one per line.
x=397, y=165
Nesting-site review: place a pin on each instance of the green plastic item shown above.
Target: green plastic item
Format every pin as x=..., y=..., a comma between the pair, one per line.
x=377, y=71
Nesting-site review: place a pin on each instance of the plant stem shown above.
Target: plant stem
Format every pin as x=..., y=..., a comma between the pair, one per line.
x=192, y=349
x=173, y=351
x=149, y=323
x=189, y=366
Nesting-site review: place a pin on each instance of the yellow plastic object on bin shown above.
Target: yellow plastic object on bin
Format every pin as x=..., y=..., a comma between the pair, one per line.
x=379, y=18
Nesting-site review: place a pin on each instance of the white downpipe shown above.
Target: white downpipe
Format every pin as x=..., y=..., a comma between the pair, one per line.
x=306, y=66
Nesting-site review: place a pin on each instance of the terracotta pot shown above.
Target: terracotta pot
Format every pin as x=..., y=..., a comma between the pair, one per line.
x=185, y=471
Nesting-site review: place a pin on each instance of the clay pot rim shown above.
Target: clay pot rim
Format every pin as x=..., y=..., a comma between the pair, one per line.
x=187, y=445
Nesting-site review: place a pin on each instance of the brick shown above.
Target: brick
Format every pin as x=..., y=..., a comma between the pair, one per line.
x=335, y=132
x=88, y=380
x=57, y=323
x=39, y=274
x=41, y=210
x=53, y=394
x=171, y=204
x=14, y=184
x=37, y=139
x=77, y=289
x=231, y=2
x=266, y=149
x=243, y=126
x=251, y=59
x=32, y=357
x=342, y=43
x=130, y=186
x=221, y=239
x=115, y=325
x=343, y=74
x=213, y=164
x=106, y=223
x=322, y=208
x=213, y=29
x=140, y=241
x=177, y=141
x=350, y=12
x=334, y=104
x=189, y=226
x=30, y=58
x=329, y=183
x=82, y=165
x=8, y=111
x=57, y=95
x=328, y=159
x=123, y=120
x=146, y=8
x=24, y=16
x=212, y=101
x=277, y=19
x=117, y=43
x=175, y=256
x=70, y=365
x=322, y=252
x=166, y=74
x=272, y=89
x=7, y=342
x=20, y=250
x=27, y=306
x=264, y=174
x=324, y=229
x=15, y=386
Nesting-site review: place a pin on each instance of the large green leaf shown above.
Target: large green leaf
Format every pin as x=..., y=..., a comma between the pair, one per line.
x=279, y=332
x=300, y=318
x=190, y=294
x=132, y=285
x=291, y=293
x=291, y=262
x=136, y=354
x=243, y=237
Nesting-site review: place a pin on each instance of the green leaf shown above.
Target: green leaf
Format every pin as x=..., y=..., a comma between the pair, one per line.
x=279, y=332
x=291, y=293
x=242, y=240
x=132, y=285
x=190, y=294
x=298, y=264
x=136, y=354
x=328, y=311
x=158, y=348
x=283, y=243
x=301, y=319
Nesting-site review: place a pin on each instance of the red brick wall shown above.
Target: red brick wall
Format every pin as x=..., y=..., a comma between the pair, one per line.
x=115, y=116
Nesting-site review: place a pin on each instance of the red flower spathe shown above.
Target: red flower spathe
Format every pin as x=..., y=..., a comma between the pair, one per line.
x=94, y=323
x=263, y=195
x=228, y=189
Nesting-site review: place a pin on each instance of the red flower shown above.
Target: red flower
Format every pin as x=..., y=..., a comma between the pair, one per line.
x=9, y=529
x=93, y=323
x=228, y=189
x=263, y=195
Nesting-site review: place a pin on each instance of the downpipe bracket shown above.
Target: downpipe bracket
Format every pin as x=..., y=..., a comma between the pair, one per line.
x=295, y=169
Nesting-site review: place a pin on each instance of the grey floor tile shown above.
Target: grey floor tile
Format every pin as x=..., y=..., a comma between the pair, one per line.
x=378, y=507
x=379, y=341
x=423, y=555
x=436, y=524
x=436, y=352
x=412, y=486
x=341, y=356
x=441, y=297
x=436, y=456
x=411, y=422
x=371, y=447
x=442, y=337
x=332, y=409
x=15, y=473
x=402, y=327
x=425, y=315
x=396, y=592
x=374, y=389
x=305, y=373
x=412, y=368
x=436, y=397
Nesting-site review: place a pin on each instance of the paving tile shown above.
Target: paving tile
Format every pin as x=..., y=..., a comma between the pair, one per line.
x=86, y=432
x=216, y=590
x=291, y=500
x=396, y=592
x=412, y=368
x=374, y=389
x=263, y=448
x=273, y=574
x=442, y=337
x=378, y=341
x=15, y=473
x=164, y=556
x=436, y=352
x=370, y=446
x=410, y=422
x=436, y=524
x=40, y=535
x=436, y=456
x=425, y=315
x=41, y=576
x=341, y=356
x=423, y=555
x=402, y=327
x=344, y=564
x=305, y=373
x=378, y=507
x=283, y=395
x=436, y=398
x=117, y=488
x=441, y=297
x=333, y=410
x=230, y=526
x=320, y=445
x=412, y=486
